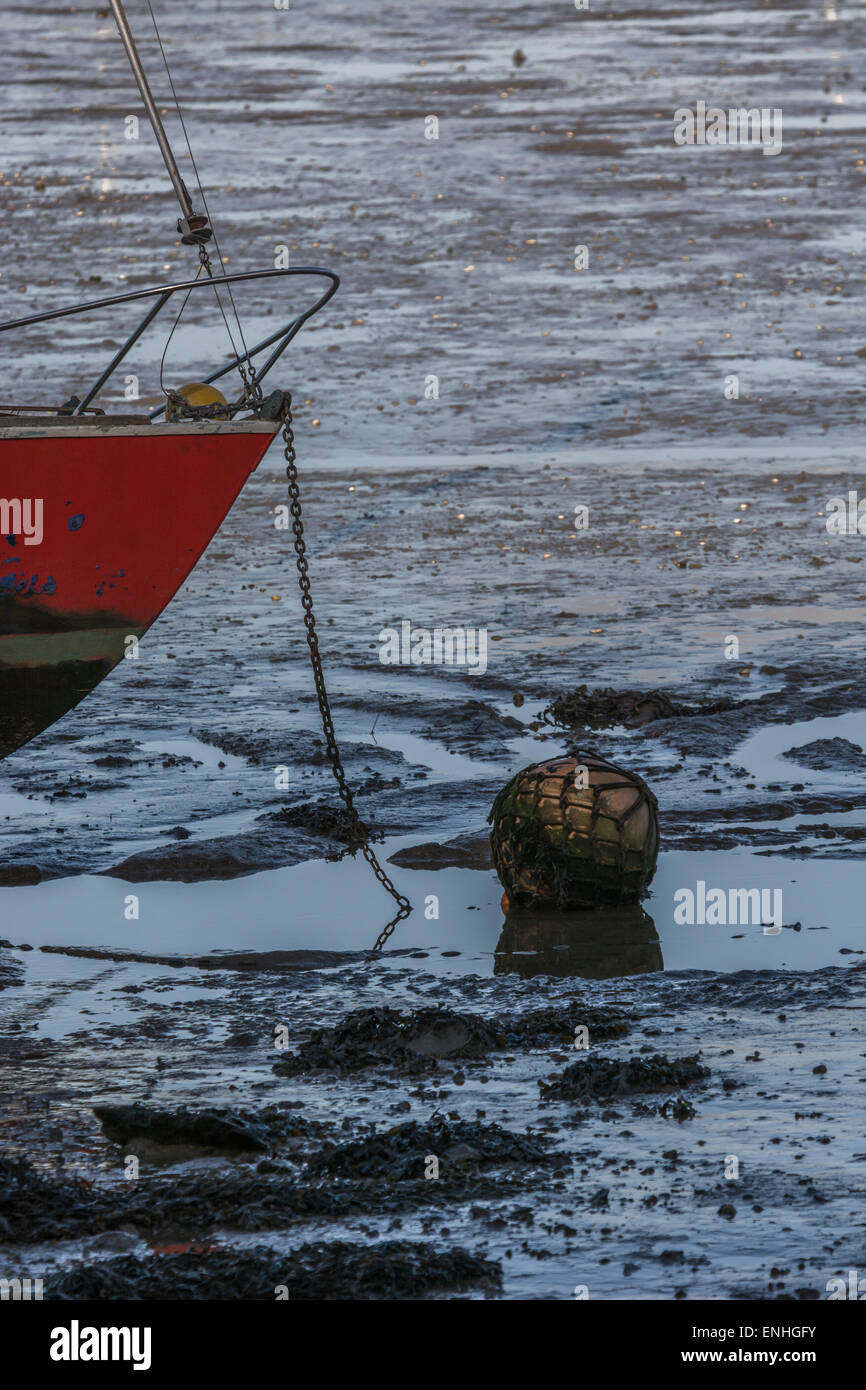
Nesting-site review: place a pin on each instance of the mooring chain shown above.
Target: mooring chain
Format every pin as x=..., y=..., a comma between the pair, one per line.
x=358, y=828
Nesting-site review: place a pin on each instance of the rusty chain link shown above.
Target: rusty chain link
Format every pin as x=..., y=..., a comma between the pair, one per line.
x=358, y=828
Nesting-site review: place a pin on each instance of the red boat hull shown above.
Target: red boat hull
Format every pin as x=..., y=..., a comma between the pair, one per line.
x=126, y=511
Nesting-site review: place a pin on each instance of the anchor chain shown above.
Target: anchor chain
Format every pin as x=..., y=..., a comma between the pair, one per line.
x=404, y=907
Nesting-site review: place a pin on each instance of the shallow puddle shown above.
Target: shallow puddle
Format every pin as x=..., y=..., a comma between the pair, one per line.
x=324, y=906
x=761, y=753
x=194, y=749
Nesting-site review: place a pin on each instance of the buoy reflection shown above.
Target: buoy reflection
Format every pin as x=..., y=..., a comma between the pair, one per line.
x=597, y=944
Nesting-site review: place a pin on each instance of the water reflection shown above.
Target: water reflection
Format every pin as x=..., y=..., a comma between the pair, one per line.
x=597, y=944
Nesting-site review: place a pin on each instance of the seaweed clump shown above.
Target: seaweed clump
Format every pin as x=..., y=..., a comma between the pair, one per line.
x=543, y=1024
x=461, y=1146
x=382, y=1036
x=603, y=1078
x=329, y=822
x=583, y=708
x=418, y=1041
x=323, y=1271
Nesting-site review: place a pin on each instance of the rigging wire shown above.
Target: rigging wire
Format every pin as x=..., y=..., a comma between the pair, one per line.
x=171, y=335
x=205, y=262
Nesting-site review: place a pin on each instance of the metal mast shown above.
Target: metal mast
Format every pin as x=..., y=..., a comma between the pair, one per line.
x=192, y=225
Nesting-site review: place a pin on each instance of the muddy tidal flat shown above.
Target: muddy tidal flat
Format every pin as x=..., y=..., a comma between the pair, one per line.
x=212, y=1086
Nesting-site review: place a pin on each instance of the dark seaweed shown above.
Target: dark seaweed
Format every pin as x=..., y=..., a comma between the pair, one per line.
x=600, y=1078
x=402, y=1152
x=320, y=1272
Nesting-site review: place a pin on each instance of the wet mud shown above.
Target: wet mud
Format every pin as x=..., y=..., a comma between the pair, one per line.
x=619, y=1158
